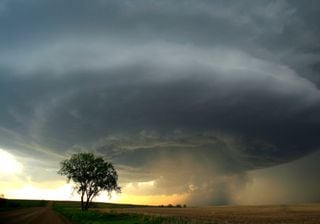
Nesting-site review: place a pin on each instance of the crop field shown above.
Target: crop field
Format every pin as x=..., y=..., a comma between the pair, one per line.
x=293, y=214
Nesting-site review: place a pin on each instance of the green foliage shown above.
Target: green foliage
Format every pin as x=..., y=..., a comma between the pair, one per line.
x=76, y=216
x=91, y=175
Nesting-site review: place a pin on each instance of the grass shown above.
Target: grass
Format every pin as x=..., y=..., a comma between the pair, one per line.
x=76, y=204
x=72, y=212
x=10, y=204
x=105, y=213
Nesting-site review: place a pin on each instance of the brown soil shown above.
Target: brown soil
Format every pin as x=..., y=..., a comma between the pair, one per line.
x=36, y=215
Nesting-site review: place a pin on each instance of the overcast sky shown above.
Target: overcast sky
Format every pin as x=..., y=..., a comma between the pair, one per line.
x=202, y=102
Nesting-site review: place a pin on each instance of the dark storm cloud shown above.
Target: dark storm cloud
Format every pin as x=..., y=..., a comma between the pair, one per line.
x=213, y=86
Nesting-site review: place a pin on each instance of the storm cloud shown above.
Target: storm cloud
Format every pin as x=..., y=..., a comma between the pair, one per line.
x=209, y=89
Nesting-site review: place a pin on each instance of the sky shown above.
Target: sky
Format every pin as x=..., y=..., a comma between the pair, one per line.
x=196, y=102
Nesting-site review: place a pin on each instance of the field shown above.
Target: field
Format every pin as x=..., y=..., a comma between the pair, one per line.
x=104, y=213
x=307, y=214
x=112, y=213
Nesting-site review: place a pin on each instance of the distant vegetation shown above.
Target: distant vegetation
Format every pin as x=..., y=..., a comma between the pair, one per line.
x=172, y=206
x=10, y=204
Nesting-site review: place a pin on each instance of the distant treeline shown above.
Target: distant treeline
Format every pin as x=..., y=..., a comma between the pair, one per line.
x=9, y=204
x=173, y=206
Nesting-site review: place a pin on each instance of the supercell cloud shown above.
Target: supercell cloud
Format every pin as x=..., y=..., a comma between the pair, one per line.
x=211, y=90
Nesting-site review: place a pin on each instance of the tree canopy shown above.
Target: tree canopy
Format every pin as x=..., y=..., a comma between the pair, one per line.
x=91, y=175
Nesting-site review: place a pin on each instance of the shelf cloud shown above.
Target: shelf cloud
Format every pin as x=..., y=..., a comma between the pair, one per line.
x=195, y=96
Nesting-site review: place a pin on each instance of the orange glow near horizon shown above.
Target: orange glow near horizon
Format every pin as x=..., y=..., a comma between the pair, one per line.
x=65, y=192
x=151, y=199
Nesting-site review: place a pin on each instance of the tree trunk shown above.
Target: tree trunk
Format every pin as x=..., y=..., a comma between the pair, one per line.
x=82, y=205
x=87, y=204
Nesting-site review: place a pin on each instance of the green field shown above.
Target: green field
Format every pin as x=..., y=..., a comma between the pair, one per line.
x=72, y=211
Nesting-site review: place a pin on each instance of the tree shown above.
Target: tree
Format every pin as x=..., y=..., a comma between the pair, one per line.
x=91, y=175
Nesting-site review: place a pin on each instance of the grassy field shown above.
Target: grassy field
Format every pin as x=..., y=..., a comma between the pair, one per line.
x=289, y=214
x=104, y=213
x=115, y=213
x=97, y=215
x=6, y=204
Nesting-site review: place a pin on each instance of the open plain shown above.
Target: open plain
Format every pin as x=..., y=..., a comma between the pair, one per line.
x=105, y=213
x=291, y=214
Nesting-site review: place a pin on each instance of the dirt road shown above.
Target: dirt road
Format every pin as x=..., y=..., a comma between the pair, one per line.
x=36, y=215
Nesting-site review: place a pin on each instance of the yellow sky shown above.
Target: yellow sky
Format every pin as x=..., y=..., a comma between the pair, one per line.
x=13, y=186
x=267, y=186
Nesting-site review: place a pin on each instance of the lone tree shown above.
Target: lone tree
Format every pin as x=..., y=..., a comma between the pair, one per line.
x=91, y=175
